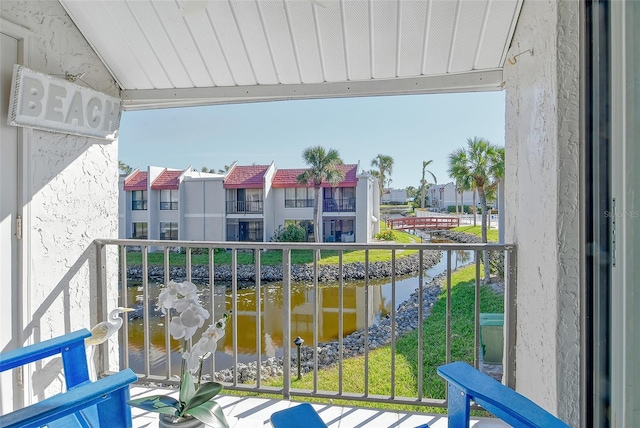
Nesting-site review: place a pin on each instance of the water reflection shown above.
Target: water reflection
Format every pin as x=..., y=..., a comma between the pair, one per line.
x=303, y=301
x=270, y=301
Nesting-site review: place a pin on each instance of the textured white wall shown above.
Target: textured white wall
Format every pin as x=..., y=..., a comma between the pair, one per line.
x=71, y=186
x=542, y=202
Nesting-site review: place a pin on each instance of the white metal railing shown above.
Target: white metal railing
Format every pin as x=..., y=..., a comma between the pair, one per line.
x=508, y=261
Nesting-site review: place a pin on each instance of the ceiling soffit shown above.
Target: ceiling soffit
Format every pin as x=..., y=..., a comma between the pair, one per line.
x=168, y=53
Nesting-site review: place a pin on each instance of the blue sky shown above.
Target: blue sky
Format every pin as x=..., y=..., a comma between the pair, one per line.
x=409, y=128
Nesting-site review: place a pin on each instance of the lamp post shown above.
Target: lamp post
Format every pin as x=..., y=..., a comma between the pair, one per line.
x=298, y=342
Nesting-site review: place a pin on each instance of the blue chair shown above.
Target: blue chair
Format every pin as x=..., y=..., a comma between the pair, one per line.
x=102, y=403
x=467, y=384
x=302, y=415
x=294, y=417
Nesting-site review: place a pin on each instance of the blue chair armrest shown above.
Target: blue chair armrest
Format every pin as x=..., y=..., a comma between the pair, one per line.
x=467, y=383
x=70, y=346
x=109, y=395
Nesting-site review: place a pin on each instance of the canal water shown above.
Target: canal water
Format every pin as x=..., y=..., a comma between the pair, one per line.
x=303, y=300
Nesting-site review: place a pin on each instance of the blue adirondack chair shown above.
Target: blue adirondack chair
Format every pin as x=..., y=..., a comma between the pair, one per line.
x=467, y=384
x=102, y=403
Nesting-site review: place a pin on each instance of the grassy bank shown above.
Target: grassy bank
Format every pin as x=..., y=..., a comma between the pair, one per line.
x=492, y=234
x=274, y=257
x=406, y=355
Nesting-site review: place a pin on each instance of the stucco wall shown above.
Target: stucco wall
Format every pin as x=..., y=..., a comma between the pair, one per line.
x=71, y=186
x=202, y=214
x=542, y=203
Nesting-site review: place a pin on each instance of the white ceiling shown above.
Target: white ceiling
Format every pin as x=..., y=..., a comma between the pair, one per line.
x=166, y=53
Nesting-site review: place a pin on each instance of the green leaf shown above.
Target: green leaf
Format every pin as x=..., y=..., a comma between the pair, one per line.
x=205, y=393
x=187, y=388
x=157, y=403
x=209, y=413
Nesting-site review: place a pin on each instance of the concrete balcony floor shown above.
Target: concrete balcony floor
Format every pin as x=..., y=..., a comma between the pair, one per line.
x=253, y=412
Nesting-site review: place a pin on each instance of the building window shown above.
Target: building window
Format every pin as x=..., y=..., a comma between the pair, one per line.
x=169, y=199
x=247, y=231
x=139, y=231
x=307, y=225
x=244, y=201
x=298, y=197
x=169, y=231
x=139, y=200
x=338, y=230
x=339, y=199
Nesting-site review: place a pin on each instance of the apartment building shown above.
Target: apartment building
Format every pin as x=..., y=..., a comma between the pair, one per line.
x=248, y=203
x=442, y=196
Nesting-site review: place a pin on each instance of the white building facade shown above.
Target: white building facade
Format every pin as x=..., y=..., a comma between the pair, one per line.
x=442, y=196
x=248, y=203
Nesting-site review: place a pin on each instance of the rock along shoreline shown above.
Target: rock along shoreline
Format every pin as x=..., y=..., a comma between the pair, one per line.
x=246, y=274
x=328, y=353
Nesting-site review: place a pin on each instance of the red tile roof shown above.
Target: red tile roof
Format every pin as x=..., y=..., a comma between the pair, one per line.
x=246, y=177
x=137, y=181
x=167, y=180
x=289, y=177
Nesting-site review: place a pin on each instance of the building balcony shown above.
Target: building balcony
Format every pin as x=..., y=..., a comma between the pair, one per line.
x=339, y=205
x=260, y=335
x=244, y=207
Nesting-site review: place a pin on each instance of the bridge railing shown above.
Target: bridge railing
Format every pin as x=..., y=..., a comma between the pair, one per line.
x=438, y=223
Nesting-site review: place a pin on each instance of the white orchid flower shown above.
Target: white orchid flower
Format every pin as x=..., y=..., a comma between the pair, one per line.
x=209, y=340
x=192, y=359
x=168, y=296
x=206, y=346
x=187, y=289
x=179, y=331
x=183, y=298
x=194, y=316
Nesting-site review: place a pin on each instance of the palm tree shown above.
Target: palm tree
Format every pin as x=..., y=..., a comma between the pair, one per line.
x=482, y=164
x=412, y=192
x=384, y=163
x=324, y=167
x=463, y=184
x=124, y=167
x=423, y=183
x=224, y=170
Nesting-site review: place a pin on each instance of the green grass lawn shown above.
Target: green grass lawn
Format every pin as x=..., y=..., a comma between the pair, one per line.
x=406, y=357
x=274, y=257
x=492, y=234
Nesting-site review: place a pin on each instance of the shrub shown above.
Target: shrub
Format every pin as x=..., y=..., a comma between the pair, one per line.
x=387, y=235
x=290, y=233
x=183, y=250
x=465, y=209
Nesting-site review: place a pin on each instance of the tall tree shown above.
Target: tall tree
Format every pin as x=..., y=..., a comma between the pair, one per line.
x=225, y=169
x=384, y=163
x=124, y=167
x=423, y=182
x=323, y=167
x=482, y=164
x=462, y=185
x=412, y=192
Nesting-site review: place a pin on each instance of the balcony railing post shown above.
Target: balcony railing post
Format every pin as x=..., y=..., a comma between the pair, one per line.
x=510, y=318
x=124, y=337
x=286, y=322
x=101, y=263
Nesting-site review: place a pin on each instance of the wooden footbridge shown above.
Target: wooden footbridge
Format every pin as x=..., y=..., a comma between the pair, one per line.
x=433, y=223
